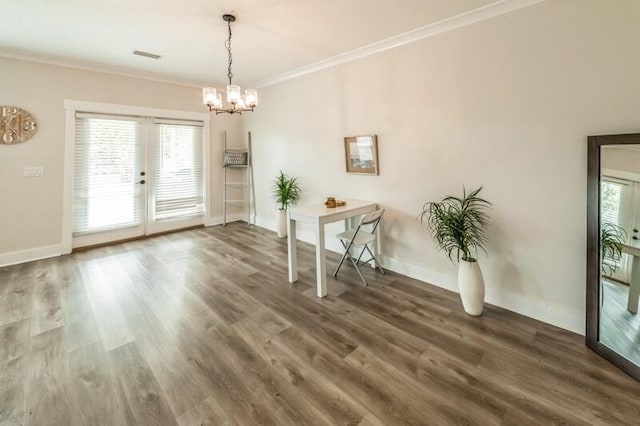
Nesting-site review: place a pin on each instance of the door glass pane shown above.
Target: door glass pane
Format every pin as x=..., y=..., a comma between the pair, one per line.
x=107, y=167
x=616, y=212
x=611, y=199
x=179, y=183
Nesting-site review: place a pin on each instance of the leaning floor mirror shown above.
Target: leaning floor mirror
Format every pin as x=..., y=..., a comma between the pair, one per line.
x=613, y=249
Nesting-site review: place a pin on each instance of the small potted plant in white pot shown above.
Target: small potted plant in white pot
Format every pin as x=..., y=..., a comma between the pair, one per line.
x=286, y=192
x=457, y=226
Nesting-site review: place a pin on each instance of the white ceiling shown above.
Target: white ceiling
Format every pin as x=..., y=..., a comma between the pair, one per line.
x=270, y=37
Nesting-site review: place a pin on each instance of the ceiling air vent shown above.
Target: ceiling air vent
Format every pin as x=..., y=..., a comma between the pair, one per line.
x=146, y=54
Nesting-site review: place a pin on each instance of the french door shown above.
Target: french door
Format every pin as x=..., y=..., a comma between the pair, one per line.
x=618, y=207
x=134, y=176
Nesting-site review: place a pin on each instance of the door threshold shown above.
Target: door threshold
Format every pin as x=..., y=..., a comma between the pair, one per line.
x=126, y=240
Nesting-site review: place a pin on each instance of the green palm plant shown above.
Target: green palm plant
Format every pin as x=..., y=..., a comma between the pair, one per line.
x=286, y=190
x=457, y=224
x=612, y=237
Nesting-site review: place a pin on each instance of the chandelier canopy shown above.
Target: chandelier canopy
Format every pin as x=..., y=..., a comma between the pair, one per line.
x=235, y=102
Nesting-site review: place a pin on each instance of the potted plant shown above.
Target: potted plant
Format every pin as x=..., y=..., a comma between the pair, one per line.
x=457, y=226
x=612, y=237
x=286, y=192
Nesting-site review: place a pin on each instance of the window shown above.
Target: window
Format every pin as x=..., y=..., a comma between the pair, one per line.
x=179, y=190
x=616, y=207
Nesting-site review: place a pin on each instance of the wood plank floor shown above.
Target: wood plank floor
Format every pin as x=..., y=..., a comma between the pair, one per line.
x=619, y=329
x=201, y=327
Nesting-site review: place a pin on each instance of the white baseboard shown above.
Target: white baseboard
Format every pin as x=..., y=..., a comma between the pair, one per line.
x=23, y=256
x=536, y=309
x=269, y=224
x=217, y=220
x=29, y=255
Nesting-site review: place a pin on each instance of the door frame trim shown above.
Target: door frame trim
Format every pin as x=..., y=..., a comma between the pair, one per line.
x=71, y=106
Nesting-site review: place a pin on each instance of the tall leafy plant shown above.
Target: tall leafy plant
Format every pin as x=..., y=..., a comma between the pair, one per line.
x=286, y=190
x=457, y=224
x=612, y=237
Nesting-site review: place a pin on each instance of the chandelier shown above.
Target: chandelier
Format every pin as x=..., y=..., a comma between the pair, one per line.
x=236, y=102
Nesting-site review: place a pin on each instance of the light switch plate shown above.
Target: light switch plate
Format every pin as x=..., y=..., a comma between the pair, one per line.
x=34, y=171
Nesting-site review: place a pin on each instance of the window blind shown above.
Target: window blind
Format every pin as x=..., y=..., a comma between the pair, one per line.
x=179, y=171
x=616, y=201
x=106, y=166
x=616, y=207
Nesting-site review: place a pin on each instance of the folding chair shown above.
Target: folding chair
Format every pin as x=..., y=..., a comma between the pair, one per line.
x=360, y=237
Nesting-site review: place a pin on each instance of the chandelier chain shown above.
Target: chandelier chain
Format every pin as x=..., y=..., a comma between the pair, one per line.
x=228, y=46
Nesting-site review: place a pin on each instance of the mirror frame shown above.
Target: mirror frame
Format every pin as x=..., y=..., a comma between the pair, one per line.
x=593, y=250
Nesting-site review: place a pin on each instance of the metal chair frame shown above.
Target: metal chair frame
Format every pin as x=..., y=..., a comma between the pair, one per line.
x=347, y=247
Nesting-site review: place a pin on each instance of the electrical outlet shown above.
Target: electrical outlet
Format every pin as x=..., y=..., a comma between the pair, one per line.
x=32, y=171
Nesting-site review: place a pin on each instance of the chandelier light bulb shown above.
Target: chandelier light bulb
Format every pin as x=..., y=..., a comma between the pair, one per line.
x=251, y=96
x=233, y=93
x=209, y=95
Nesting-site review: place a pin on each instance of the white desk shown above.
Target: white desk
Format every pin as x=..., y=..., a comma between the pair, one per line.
x=634, y=282
x=319, y=215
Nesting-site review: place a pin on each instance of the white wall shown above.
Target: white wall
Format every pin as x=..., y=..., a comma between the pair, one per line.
x=31, y=208
x=620, y=158
x=506, y=103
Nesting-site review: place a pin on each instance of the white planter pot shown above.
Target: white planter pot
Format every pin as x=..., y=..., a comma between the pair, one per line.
x=282, y=223
x=471, y=286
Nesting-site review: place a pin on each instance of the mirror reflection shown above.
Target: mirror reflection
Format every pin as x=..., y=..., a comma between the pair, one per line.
x=620, y=249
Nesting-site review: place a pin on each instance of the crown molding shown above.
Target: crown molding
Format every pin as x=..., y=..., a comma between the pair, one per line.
x=483, y=13
x=95, y=67
x=489, y=11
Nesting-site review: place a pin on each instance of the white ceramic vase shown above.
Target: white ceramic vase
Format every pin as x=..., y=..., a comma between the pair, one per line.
x=282, y=223
x=471, y=286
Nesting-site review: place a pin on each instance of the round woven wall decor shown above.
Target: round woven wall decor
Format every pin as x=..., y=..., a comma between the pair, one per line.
x=16, y=125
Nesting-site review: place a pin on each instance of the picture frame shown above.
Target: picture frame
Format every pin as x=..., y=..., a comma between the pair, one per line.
x=361, y=154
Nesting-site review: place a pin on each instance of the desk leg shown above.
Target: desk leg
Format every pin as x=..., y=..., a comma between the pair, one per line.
x=634, y=286
x=321, y=264
x=293, y=250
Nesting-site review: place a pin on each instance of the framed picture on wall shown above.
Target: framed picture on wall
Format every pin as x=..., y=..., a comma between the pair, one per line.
x=361, y=154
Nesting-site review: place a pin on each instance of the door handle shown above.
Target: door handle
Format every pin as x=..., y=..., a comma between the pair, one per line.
x=142, y=173
x=635, y=238
x=142, y=182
